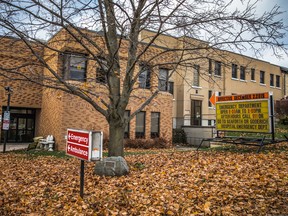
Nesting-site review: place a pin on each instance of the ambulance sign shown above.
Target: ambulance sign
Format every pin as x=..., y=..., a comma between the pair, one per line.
x=83, y=145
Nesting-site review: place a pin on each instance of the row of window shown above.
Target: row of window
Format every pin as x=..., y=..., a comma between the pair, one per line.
x=141, y=124
x=75, y=67
x=252, y=73
x=217, y=71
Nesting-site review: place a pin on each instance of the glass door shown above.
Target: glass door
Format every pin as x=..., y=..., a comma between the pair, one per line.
x=196, y=112
x=22, y=126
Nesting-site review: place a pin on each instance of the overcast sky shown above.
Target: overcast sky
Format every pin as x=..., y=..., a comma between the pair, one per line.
x=266, y=5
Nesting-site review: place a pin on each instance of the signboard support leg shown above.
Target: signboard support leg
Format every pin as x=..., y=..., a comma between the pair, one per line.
x=272, y=117
x=82, y=178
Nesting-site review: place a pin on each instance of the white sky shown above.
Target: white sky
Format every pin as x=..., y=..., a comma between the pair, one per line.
x=266, y=5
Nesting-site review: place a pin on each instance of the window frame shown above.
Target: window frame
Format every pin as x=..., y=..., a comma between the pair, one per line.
x=271, y=80
x=217, y=68
x=262, y=77
x=141, y=134
x=67, y=72
x=196, y=75
x=242, y=73
x=234, y=71
x=278, y=85
x=163, y=79
x=253, y=74
x=100, y=71
x=155, y=134
x=145, y=83
x=210, y=66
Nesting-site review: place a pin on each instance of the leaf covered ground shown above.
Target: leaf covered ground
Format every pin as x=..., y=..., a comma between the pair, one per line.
x=163, y=183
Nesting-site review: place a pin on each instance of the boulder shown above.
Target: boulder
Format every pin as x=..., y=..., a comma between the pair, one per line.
x=111, y=166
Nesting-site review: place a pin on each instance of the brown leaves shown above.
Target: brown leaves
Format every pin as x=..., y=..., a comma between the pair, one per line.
x=166, y=183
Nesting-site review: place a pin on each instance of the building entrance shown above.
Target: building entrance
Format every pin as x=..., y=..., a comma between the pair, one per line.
x=22, y=125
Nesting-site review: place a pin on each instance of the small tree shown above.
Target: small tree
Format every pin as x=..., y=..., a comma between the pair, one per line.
x=120, y=23
x=281, y=109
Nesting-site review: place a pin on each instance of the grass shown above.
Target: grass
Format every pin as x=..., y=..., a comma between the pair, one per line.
x=37, y=153
x=62, y=154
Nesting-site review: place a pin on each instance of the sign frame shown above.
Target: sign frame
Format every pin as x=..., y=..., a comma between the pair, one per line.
x=237, y=99
x=89, y=144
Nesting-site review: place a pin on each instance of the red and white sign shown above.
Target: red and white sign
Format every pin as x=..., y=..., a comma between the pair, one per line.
x=79, y=144
x=6, y=120
x=85, y=145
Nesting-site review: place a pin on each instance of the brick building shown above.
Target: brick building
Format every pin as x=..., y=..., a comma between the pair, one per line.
x=184, y=100
x=51, y=111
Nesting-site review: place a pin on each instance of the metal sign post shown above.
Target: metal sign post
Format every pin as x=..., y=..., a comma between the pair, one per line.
x=6, y=120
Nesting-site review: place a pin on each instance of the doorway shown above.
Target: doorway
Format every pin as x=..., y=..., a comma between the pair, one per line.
x=196, y=112
x=22, y=125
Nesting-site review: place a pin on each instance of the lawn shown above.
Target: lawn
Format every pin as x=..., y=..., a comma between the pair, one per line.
x=161, y=182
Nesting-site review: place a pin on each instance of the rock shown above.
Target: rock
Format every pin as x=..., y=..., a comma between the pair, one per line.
x=111, y=166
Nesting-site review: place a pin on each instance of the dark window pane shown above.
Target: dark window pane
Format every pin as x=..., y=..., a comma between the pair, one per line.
x=234, y=71
x=140, y=125
x=101, y=73
x=271, y=79
x=144, y=77
x=155, y=127
x=217, y=70
x=242, y=73
x=210, y=66
x=196, y=75
x=252, y=74
x=262, y=77
x=278, y=81
x=163, y=79
x=74, y=67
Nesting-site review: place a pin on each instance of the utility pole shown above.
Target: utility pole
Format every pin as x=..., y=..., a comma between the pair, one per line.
x=6, y=120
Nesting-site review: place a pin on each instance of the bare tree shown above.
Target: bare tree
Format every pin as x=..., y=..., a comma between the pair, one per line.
x=118, y=26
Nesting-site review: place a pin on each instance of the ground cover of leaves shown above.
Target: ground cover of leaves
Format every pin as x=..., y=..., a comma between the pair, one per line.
x=163, y=183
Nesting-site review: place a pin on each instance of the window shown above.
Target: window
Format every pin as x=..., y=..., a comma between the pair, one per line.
x=74, y=66
x=196, y=74
x=217, y=70
x=140, y=125
x=242, y=73
x=209, y=96
x=144, y=77
x=210, y=122
x=155, y=124
x=271, y=79
x=102, y=70
x=171, y=87
x=164, y=84
x=234, y=71
x=277, y=81
x=253, y=74
x=127, y=127
x=210, y=66
x=262, y=77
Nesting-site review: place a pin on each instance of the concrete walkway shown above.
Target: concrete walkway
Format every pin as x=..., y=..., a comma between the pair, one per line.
x=13, y=146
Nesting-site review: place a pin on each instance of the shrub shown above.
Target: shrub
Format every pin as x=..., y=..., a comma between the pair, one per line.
x=147, y=143
x=179, y=136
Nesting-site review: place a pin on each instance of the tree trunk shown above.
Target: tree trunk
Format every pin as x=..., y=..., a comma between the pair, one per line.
x=116, y=138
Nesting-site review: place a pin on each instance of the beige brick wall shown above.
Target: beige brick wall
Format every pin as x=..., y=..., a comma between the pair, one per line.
x=61, y=111
x=16, y=57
